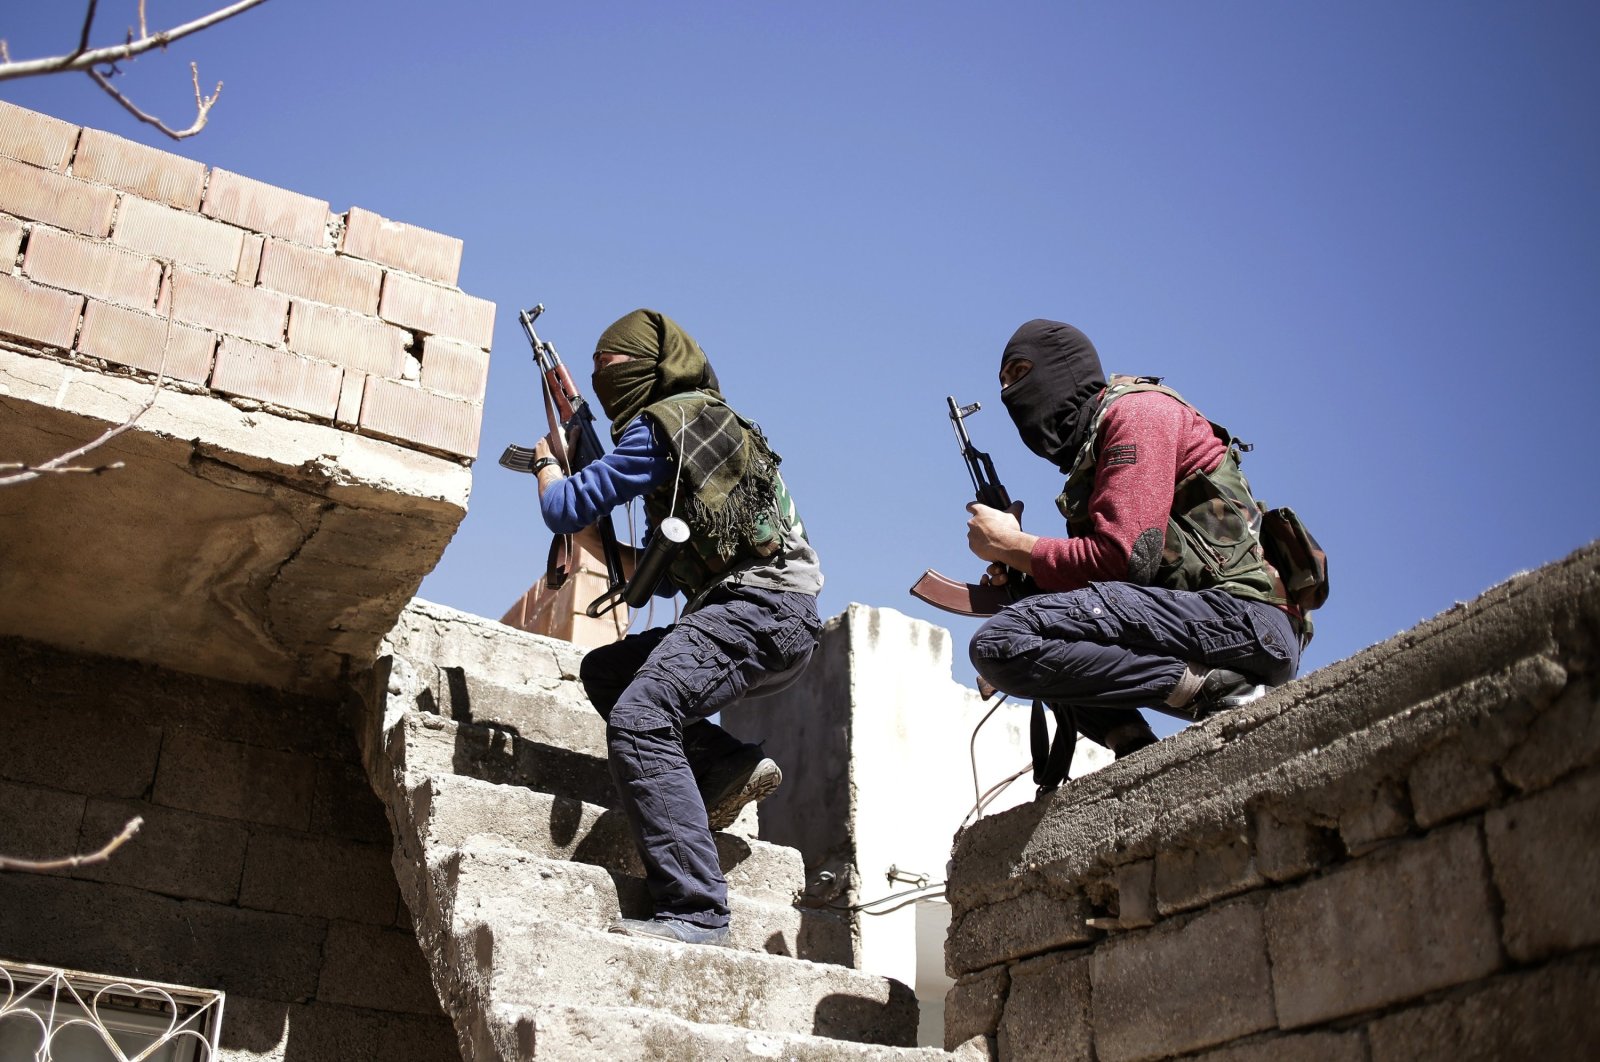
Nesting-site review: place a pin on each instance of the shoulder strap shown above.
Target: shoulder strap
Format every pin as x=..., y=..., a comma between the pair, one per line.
x=1051, y=759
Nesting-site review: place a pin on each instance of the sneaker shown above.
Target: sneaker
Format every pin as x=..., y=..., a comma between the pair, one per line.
x=1223, y=689
x=745, y=777
x=671, y=929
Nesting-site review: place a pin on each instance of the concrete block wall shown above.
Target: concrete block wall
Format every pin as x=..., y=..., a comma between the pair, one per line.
x=262, y=869
x=1391, y=859
x=346, y=319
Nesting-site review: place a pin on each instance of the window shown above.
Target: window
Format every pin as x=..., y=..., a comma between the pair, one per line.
x=64, y=1016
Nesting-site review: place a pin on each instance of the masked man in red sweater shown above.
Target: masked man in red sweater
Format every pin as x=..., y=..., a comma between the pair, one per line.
x=1162, y=596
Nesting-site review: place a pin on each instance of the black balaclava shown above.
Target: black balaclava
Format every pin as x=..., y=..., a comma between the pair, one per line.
x=1052, y=405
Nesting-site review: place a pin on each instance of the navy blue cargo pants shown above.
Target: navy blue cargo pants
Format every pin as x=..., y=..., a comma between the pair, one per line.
x=654, y=689
x=1111, y=648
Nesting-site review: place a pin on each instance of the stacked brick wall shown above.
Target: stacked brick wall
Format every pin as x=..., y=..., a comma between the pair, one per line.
x=1392, y=859
x=262, y=868
x=345, y=319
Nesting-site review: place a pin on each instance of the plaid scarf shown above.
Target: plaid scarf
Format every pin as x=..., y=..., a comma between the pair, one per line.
x=724, y=469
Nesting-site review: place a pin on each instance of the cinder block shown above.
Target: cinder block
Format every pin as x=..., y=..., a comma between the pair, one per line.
x=41, y=314
x=1545, y=851
x=1426, y=921
x=1047, y=1011
x=318, y=876
x=1446, y=784
x=277, y=377
x=453, y=368
x=348, y=339
x=81, y=752
x=1023, y=925
x=1187, y=878
x=235, y=781
x=1564, y=737
x=36, y=138
x=144, y=171
x=974, y=1004
x=188, y=239
x=1373, y=818
x=320, y=275
x=393, y=243
x=175, y=853
x=38, y=823
x=411, y=414
x=1181, y=986
x=1547, y=1013
x=95, y=268
x=229, y=308
x=1287, y=848
x=266, y=208
x=66, y=202
x=90, y=925
x=431, y=309
x=136, y=339
x=1306, y=1047
x=249, y=268
x=345, y=806
x=320, y=1032
x=380, y=969
x=10, y=242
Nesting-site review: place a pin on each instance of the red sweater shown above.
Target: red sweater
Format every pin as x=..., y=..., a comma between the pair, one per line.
x=1148, y=442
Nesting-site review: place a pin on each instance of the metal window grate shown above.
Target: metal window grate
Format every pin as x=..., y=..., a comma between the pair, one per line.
x=54, y=1015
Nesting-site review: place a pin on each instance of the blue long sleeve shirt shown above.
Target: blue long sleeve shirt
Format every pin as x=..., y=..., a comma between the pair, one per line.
x=633, y=469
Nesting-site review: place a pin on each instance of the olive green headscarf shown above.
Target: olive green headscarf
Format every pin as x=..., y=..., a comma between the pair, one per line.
x=727, y=469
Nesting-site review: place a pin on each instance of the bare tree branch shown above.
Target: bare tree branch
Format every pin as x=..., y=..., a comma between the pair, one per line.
x=45, y=866
x=60, y=464
x=85, y=58
x=202, y=104
x=83, y=37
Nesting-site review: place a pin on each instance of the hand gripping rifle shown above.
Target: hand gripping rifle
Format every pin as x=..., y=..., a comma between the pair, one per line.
x=575, y=446
x=972, y=599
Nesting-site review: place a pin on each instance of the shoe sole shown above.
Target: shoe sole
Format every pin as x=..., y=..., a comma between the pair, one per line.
x=762, y=781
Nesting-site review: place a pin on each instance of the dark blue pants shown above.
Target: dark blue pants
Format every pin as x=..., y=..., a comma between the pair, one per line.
x=654, y=690
x=1112, y=648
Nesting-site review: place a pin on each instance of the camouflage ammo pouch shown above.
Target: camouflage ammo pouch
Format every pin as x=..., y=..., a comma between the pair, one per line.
x=1300, y=561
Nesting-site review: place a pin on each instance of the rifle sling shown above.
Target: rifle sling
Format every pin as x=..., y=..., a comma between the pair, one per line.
x=1051, y=759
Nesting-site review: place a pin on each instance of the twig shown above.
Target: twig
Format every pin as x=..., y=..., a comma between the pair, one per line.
x=83, y=37
x=202, y=104
x=60, y=463
x=87, y=58
x=70, y=862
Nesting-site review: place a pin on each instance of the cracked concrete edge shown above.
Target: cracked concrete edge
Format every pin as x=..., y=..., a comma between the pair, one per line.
x=345, y=467
x=1342, y=721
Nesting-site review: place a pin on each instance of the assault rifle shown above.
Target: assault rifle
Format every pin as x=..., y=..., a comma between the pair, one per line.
x=576, y=445
x=972, y=599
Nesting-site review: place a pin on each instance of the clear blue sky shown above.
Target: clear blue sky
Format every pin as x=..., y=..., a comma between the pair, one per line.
x=1363, y=235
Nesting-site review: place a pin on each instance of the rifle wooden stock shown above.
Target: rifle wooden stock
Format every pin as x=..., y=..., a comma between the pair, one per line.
x=965, y=599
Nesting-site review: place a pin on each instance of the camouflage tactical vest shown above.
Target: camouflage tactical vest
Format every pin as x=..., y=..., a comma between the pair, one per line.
x=699, y=566
x=1213, y=531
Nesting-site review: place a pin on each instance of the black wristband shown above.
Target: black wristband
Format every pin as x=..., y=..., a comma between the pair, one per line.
x=542, y=464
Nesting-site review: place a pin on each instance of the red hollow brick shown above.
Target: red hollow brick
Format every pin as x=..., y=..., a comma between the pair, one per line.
x=266, y=208
x=65, y=202
x=350, y=392
x=411, y=414
x=102, y=270
x=394, y=243
x=188, y=239
x=10, y=242
x=36, y=138
x=319, y=275
x=136, y=339
x=434, y=310
x=225, y=307
x=348, y=339
x=277, y=377
x=249, y=260
x=40, y=314
x=144, y=171
x=453, y=368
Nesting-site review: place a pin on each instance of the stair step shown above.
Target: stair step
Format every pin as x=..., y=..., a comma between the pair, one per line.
x=452, y=812
x=603, y=1034
x=431, y=744
x=512, y=888
x=544, y=963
